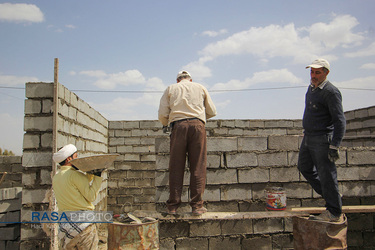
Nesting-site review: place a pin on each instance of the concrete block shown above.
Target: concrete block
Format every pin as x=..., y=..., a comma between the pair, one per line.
x=360, y=113
x=268, y=225
x=358, y=157
x=286, y=142
x=236, y=131
x=31, y=141
x=28, y=179
x=254, y=175
x=225, y=243
x=116, y=124
x=11, y=232
x=273, y=159
x=162, y=162
x=369, y=123
x=10, y=193
x=236, y=192
x=10, y=205
x=150, y=157
x=150, y=124
x=173, y=229
x=221, y=131
x=264, y=242
x=162, y=145
x=46, y=140
x=43, y=123
x=131, y=124
x=36, y=195
x=252, y=143
x=256, y=123
x=213, y=161
x=205, y=228
x=167, y=244
x=39, y=90
x=33, y=106
x=191, y=243
x=284, y=174
x=223, y=144
x=241, y=160
x=293, y=158
x=356, y=189
x=36, y=159
x=211, y=193
x=45, y=177
x=298, y=190
x=221, y=176
x=229, y=227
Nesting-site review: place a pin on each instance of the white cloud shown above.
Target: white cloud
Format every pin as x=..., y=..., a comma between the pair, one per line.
x=369, y=51
x=357, y=83
x=9, y=80
x=270, y=76
x=70, y=26
x=94, y=73
x=368, y=66
x=336, y=33
x=212, y=33
x=20, y=12
x=301, y=44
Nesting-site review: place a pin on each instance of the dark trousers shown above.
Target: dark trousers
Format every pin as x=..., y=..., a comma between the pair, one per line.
x=319, y=171
x=189, y=137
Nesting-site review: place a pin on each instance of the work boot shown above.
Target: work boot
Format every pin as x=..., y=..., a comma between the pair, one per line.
x=199, y=211
x=326, y=216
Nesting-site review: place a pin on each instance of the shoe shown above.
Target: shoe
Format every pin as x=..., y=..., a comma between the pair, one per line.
x=326, y=216
x=171, y=212
x=199, y=211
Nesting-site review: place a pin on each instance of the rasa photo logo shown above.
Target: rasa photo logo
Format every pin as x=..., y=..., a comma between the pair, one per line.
x=71, y=217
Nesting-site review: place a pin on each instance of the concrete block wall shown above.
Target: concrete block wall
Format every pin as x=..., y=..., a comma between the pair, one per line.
x=76, y=123
x=12, y=165
x=10, y=211
x=360, y=128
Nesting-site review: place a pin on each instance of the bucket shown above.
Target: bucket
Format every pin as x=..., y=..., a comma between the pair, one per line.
x=133, y=236
x=276, y=199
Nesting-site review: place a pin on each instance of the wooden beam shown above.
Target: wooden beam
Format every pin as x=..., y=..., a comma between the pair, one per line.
x=345, y=209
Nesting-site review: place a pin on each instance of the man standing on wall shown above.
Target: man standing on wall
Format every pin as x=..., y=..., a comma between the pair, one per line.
x=324, y=128
x=185, y=106
x=75, y=192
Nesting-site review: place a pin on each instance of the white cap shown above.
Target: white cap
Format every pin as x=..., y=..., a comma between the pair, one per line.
x=183, y=73
x=64, y=153
x=319, y=63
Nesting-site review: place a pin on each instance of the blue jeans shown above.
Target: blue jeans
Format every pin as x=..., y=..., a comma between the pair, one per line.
x=319, y=171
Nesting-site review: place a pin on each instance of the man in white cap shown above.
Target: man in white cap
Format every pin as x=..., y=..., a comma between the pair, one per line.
x=185, y=106
x=75, y=191
x=324, y=128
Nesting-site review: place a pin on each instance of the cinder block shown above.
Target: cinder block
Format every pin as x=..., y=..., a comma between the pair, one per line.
x=10, y=205
x=360, y=157
x=213, y=161
x=264, y=242
x=298, y=190
x=236, y=192
x=205, y=228
x=236, y=131
x=256, y=124
x=39, y=90
x=167, y=243
x=10, y=193
x=46, y=140
x=35, y=195
x=229, y=227
x=254, y=175
x=221, y=176
x=224, y=243
x=284, y=174
x=211, y=194
x=174, y=229
x=150, y=124
x=31, y=141
x=241, y=160
x=131, y=124
x=286, y=142
x=33, y=106
x=273, y=159
x=356, y=189
x=42, y=123
x=11, y=232
x=162, y=145
x=268, y=225
x=191, y=243
x=223, y=144
x=36, y=159
x=252, y=143
x=116, y=124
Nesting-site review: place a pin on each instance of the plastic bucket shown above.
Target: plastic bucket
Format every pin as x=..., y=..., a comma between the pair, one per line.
x=133, y=236
x=275, y=199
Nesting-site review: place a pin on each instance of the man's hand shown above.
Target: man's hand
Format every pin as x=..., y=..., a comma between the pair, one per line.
x=333, y=153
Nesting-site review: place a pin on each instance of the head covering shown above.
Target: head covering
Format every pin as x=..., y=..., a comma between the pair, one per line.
x=64, y=153
x=183, y=73
x=319, y=63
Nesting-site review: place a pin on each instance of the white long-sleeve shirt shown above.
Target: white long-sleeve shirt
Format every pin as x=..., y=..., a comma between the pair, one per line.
x=183, y=100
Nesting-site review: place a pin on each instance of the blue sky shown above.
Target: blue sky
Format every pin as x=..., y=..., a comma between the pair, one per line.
x=254, y=50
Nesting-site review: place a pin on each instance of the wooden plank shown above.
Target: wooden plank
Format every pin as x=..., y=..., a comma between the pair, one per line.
x=345, y=209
